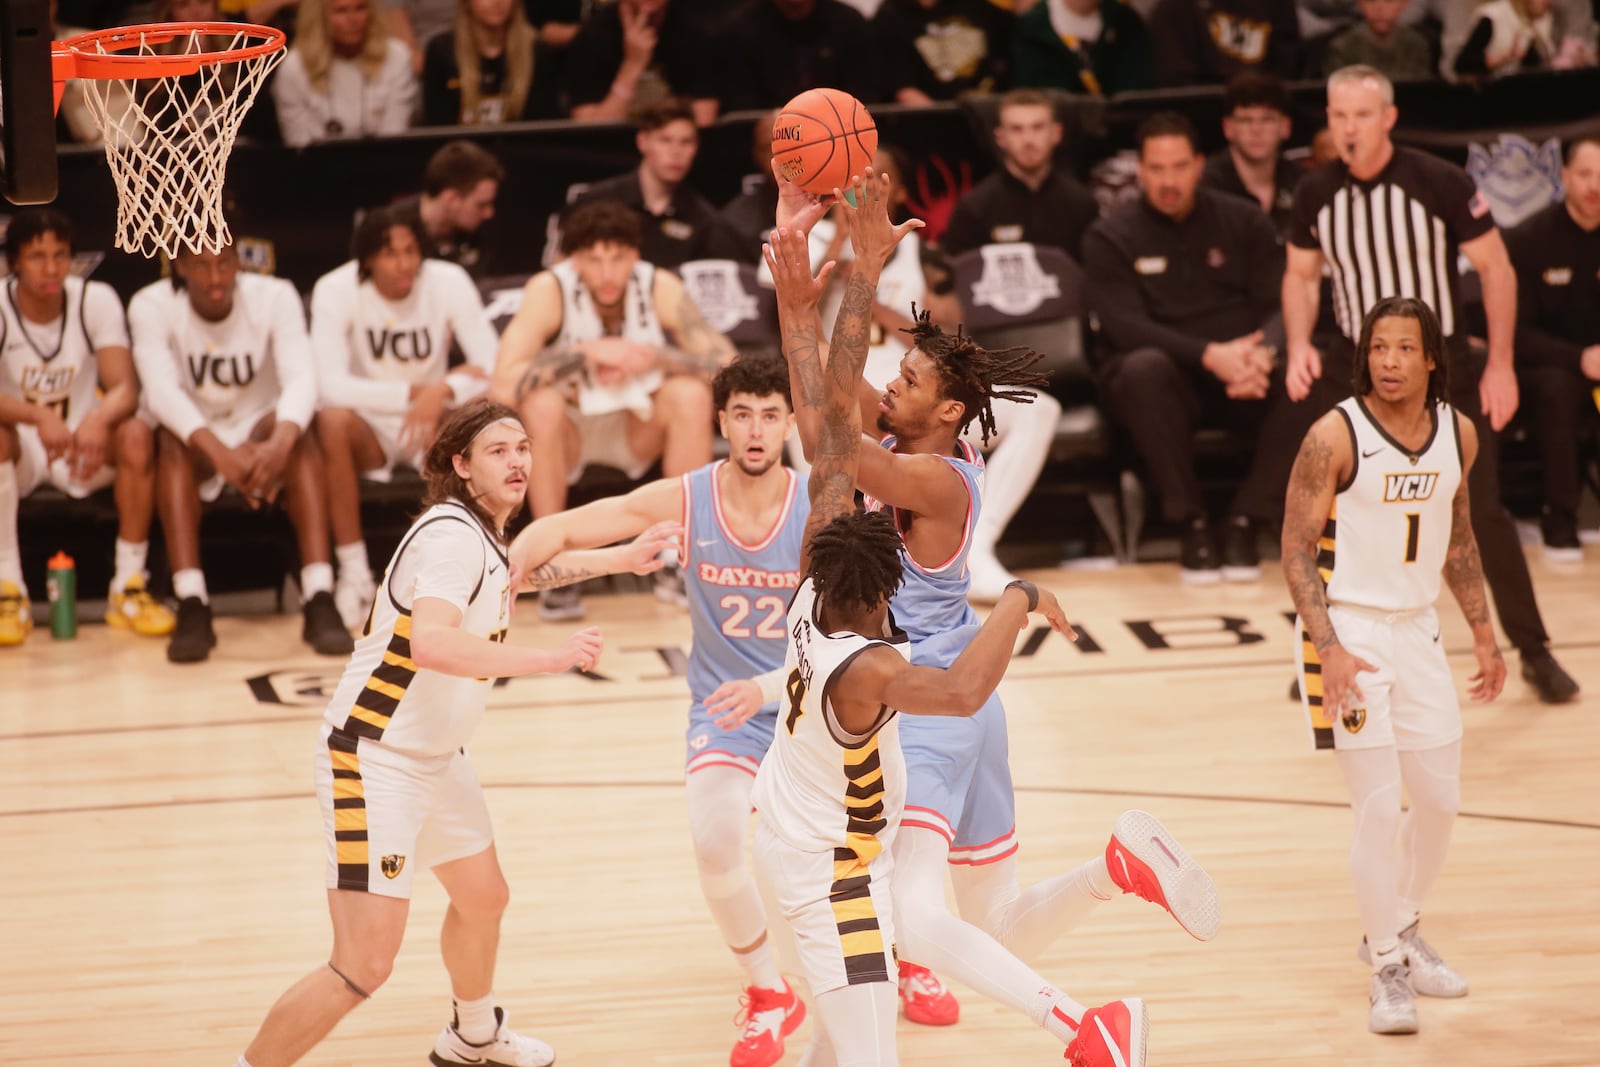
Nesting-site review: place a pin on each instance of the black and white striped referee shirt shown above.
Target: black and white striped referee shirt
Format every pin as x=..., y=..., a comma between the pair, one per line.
x=1398, y=234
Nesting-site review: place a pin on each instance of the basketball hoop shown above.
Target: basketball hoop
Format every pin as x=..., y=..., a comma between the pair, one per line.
x=168, y=99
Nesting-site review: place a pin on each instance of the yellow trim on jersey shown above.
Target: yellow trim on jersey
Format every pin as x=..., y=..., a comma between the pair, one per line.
x=386, y=686
x=860, y=934
x=349, y=811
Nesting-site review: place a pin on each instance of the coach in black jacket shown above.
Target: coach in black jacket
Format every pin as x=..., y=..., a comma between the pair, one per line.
x=1185, y=284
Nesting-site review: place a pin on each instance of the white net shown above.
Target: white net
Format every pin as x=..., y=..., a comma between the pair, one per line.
x=168, y=136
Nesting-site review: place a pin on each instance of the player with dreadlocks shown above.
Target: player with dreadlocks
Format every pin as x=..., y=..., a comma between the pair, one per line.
x=959, y=804
x=831, y=788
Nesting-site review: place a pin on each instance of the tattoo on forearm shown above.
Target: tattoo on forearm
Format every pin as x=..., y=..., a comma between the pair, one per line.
x=1463, y=567
x=700, y=347
x=1304, y=522
x=833, y=471
x=553, y=576
x=549, y=367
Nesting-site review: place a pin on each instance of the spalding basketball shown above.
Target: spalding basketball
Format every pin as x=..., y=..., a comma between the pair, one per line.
x=823, y=138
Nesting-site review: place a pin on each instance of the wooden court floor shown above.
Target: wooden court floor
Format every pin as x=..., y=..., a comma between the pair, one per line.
x=162, y=871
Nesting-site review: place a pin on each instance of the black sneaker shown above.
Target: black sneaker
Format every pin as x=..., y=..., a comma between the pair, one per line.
x=1197, y=555
x=1561, y=543
x=192, y=637
x=1241, y=550
x=1540, y=670
x=562, y=604
x=324, y=631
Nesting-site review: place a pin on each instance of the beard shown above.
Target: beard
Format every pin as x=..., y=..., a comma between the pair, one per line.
x=756, y=468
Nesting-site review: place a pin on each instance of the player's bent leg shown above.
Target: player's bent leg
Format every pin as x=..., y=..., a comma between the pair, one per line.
x=1432, y=780
x=1025, y=923
x=1144, y=858
x=129, y=604
x=306, y=498
x=682, y=418
x=470, y=944
x=367, y=931
x=929, y=935
x=859, y=1021
x=348, y=447
x=179, y=471
x=555, y=449
x=16, y=613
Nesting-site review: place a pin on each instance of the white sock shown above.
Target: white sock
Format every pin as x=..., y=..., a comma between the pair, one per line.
x=315, y=578
x=760, y=969
x=191, y=581
x=353, y=565
x=241, y=1062
x=1057, y=1013
x=1410, y=914
x=10, y=553
x=130, y=561
x=475, y=1020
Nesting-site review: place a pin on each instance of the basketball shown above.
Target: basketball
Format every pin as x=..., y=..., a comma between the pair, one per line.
x=823, y=138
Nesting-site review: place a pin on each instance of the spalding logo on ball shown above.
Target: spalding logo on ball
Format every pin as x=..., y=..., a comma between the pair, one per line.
x=823, y=138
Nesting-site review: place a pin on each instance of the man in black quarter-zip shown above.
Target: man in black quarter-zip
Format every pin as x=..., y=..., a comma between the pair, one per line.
x=1184, y=281
x=1393, y=221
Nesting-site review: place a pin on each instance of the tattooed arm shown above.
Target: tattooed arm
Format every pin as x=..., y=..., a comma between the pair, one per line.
x=1325, y=461
x=526, y=358
x=698, y=349
x=1463, y=573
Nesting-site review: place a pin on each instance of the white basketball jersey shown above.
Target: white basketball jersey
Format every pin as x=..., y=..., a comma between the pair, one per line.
x=52, y=364
x=1385, y=540
x=197, y=372
x=820, y=788
x=580, y=322
x=361, y=337
x=384, y=696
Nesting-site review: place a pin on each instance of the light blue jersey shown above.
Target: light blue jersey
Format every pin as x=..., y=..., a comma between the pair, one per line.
x=739, y=597
x=958, y=771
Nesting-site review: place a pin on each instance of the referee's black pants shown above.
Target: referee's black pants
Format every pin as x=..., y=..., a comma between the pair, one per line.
x=1559, y=404
x=1505, y=568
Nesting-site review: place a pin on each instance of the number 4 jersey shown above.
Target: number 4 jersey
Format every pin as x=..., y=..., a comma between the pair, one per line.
x=52, y=364
x=1385, y=540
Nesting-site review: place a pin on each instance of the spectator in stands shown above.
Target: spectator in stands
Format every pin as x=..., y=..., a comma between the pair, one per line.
x=750, y=214
x=1206, y=42
x=482, y=72
x=1094, y=47
x=1185, y=281
x=344, y=76
x=1255, y=123
x=631, y=54
x=416, y=22
x=771, y=50
x=1433, y=211
x=1513, y=36
x=1557, y=256
x=459, y=187
x=382, y=327
x=941, y=49
x=678, y=223
x=609, y=362
x=68, y=416
x=1381, y=42
x=1029, y=198
x=227, y=372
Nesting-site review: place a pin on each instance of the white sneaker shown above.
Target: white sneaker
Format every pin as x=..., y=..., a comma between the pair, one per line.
x=505, y=1049
x=989, y=579
x=1430, y=975
x=353, y=597
x=1394, y=1005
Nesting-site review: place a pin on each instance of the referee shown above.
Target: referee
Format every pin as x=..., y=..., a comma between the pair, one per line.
x=1389, y=221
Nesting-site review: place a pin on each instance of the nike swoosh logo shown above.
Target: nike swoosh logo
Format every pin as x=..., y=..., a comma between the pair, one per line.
x=704, y=544
x=1111, y=1044
x=1369, y=455
x=494, y=568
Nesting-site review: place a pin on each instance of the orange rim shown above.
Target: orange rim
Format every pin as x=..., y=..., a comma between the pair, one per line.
x=98, y=54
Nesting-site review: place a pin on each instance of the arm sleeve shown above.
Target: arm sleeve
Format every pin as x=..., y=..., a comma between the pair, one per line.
x=1303, y=217
x=157, y=363
x=470, y=326
x=291, y=96
x=1114, y=295
x=444, y=561
x=103, y=319
x=398, y=89
x=291, y=353
x=333, y=332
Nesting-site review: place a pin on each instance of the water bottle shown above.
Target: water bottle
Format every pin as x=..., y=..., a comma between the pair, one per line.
x=62, y=585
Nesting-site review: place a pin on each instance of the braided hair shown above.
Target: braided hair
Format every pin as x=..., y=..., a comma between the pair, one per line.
x=855, y=560
x=973, y=375
x=1405, y=307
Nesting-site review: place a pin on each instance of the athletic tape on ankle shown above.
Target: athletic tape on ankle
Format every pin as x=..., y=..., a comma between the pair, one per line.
x=357, y=990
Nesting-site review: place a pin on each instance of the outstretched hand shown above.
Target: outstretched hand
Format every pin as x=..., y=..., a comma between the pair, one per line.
x=872, y=236
x=797, y=209
x=1050, y=608
x=734, y=703
x=788, y=256
x=643, y=553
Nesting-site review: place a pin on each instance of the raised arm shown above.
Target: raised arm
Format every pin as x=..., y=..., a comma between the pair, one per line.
x=1463, y=573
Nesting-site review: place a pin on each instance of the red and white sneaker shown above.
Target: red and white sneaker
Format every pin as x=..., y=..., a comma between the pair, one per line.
x=767, y=1017
x=1146, y=860
x=924, y=998
x=1112, y=1035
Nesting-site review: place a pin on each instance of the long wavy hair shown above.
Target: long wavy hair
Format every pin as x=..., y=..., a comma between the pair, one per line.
x=519, y=37
x=457, y=433
x=1405, y=307
x=313, y=40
